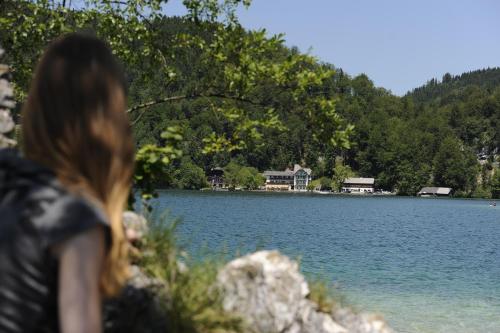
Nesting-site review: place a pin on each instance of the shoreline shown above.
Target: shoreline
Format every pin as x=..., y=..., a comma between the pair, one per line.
x=315, y=194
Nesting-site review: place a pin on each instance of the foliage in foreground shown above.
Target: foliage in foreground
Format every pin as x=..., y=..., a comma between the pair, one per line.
x=190, y=300
x=324, y=295
x=207, y=57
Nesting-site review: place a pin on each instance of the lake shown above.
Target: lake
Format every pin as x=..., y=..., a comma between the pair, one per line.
x=426, y=265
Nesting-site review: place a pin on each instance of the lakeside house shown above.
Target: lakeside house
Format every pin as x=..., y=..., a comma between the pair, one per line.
x=434, y=192
x=358, y=185
x=215, y=178
x=289, y=180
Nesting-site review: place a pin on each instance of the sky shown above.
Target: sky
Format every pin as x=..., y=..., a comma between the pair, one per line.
x=399, y=44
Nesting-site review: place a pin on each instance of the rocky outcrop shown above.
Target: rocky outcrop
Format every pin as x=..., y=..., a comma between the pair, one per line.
x=268, y=291
x=138, y=308
x=6, y=103
x=265, y=288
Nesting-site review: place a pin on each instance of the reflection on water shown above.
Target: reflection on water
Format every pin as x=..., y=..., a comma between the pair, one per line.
x=427, y=265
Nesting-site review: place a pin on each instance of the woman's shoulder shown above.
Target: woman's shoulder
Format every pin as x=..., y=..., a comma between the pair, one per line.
x=63, y=215
x=51, y=211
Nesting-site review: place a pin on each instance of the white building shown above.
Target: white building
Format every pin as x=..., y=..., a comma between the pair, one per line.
x=288, y=180
x=301, y=178
x=434, y=191
x=358, y=185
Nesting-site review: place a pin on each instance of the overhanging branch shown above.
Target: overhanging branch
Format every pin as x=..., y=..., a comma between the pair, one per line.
x=181, y=97
x=157, y=101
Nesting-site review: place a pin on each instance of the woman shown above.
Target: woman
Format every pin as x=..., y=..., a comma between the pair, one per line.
x=62, y=245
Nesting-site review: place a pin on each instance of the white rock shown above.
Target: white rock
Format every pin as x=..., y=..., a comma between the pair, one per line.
x=140, y=280
x=360, y=323
x=6, y=122
x=6, y=103
x=267, y=290
x=135, y=223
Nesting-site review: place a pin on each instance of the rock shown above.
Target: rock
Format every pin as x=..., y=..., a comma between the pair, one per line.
x=138, y=309
x=135, y=225
x=6, y=91
x=6, y=122
x=267, y=290
x=140, y=280
x=360, y=323
x=314, y=321
x=6, y=103
x=135, y=310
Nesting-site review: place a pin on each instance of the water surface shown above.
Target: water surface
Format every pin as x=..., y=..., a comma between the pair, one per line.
x=427, y=265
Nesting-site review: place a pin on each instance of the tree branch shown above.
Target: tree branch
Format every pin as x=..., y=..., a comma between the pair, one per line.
x=181, y=97
x=157, y=101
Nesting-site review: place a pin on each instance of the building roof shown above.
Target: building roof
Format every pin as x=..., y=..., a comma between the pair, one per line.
x=358, y=180
x=297, y=167
x=277, y=173
x=287, y=172
x=435, y=190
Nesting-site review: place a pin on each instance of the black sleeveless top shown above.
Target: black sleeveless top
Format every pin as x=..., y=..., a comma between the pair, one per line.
x=36, y=213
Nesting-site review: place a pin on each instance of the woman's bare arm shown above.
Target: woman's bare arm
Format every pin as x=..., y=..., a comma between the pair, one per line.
x=80, y=263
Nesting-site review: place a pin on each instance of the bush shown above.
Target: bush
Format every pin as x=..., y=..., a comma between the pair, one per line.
x=190, y=301
x=246, y=177
x=250, y=178
x=325, y=184
x=321, y=294
x=190, y=176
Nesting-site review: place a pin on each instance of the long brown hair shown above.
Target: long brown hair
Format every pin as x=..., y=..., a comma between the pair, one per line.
x=74, y=122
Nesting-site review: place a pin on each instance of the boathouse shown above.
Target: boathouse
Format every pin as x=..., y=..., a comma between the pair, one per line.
x=358, y=185
x=435, y=192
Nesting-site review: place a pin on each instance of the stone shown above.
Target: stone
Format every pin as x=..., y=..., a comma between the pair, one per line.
x=6, y=103
x=138, y=308
x=6, y=122
x=136, y=225
x=360, y=323
x=267, y=290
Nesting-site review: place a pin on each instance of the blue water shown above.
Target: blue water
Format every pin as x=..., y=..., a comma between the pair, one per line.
x=426, y=265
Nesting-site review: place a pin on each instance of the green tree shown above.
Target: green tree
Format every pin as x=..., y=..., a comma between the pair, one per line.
x=455, y=166
x=495, y=185
x=231, y=174
x=236, y=175
x=340, y=173
x=190, y=176
x=250, y=178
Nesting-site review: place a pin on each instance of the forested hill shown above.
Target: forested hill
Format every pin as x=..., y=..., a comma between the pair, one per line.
x=484, y=78
x=471, y=102
x=433, y=136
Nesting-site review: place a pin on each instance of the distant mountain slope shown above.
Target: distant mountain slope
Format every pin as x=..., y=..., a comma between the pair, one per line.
x=434, y=89
x=433, y=136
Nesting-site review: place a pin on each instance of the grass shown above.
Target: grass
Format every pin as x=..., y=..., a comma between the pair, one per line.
x=325, y=295
x=189, y=298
